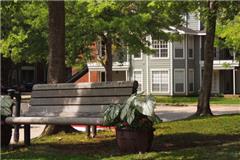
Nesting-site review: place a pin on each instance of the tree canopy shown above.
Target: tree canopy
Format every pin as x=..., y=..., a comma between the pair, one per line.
x=123, y=24
x=24, y=31
x=229, y=34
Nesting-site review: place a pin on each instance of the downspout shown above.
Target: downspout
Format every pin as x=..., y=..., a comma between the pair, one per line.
x=147, y=58
x=171, y=66
x=200, y=58
x=186, y=66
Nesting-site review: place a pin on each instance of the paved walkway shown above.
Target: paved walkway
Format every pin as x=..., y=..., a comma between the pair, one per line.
x=166, y=113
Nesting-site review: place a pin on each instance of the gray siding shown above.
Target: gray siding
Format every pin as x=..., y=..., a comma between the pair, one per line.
x=197, y=65
x=152, y=64
x=140, y=65
x=193, y=22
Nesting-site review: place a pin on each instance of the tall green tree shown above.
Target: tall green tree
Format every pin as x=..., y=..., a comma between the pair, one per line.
x=23, y=34
x=203, y=107
x=126, y=24
x=56, y=57
x=24, y=31
x=211, y=12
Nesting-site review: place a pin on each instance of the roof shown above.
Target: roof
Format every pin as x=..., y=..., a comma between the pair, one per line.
x=185, y=30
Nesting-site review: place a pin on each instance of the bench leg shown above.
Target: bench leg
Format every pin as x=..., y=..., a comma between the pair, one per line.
x=16, y=133
x=27, y=134
x=88, y=131
x=94, y=131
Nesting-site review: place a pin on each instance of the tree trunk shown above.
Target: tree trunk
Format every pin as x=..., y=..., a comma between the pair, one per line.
x=108, y=62
x=56, y=38
x=203, y=107
x=56, y=60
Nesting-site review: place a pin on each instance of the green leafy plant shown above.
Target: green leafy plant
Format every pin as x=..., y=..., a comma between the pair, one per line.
x=137, y=113
x=6, y=105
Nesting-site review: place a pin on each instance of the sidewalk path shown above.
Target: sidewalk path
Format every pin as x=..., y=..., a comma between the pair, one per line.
x=170, y=113
x=166, y=113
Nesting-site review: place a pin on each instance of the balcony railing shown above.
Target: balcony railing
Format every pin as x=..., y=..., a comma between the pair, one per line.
x=223, y=64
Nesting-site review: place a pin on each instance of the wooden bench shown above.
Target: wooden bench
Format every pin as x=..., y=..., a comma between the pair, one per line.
x=70, y=103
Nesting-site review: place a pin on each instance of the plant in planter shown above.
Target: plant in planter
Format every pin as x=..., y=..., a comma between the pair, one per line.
x=134, y=123
x=6, y=111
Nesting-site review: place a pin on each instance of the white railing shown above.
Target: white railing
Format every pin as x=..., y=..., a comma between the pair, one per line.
x=223, y=64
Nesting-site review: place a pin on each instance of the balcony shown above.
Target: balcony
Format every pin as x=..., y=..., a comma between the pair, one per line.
x=223, y=64
x=96, y=66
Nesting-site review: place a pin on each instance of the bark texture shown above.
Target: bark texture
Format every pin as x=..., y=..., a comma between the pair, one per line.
x=57, y=71
x=56, y=39
x=203, y=107
x=108, y=62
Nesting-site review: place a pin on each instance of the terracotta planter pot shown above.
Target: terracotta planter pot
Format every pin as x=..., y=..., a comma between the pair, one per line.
x=133, y=140
x=6, y=133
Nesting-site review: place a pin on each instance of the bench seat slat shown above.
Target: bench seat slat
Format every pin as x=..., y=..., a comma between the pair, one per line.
x=63, y=114
x=78, y=100
x=68, y=108
x=83, y=92
x=54, y=120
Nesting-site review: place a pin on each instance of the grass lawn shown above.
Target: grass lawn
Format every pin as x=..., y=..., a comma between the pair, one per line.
x=216, y=138
x=193, y=100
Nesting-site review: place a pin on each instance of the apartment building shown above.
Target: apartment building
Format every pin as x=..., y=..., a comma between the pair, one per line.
x=176, y=68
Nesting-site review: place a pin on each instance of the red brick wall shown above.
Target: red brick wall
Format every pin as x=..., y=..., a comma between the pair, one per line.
x=95, y=75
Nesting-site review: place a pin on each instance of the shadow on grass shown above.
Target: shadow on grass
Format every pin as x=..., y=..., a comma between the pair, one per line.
x=189, y=140
x=172, y=143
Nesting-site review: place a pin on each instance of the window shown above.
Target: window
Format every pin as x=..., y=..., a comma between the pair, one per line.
x=190, y=47
x=137, y=56
x=179, y=80
x=191, y=80
x=102, y=77
x=137, y=76
x=178, y=54
x=101, y=48
x=190, y=53
x=160, y=80
x=161, y=49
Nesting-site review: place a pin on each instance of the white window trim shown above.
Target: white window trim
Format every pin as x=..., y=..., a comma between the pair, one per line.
x=141, y=70
x=140, y=58
x=191, y=69
x=183, y=57
x=99, y=47
x=168, y=70
x=151, y=57
x=184, y=84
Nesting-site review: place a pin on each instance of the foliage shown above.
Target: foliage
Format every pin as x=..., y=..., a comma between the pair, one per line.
x=124, y=25
x=229, y=35
x=137, y=112
x=6, y=106
x=24, y=31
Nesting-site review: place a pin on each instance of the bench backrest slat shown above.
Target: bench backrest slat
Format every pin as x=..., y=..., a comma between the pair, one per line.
x=78, y=100
x=69, y=99
x=85, y=92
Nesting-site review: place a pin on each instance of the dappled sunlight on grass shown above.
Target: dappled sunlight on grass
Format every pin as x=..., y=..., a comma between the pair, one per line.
x=203, y=138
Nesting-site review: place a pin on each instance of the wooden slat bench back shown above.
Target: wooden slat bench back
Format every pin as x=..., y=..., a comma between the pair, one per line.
x=69, y=103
